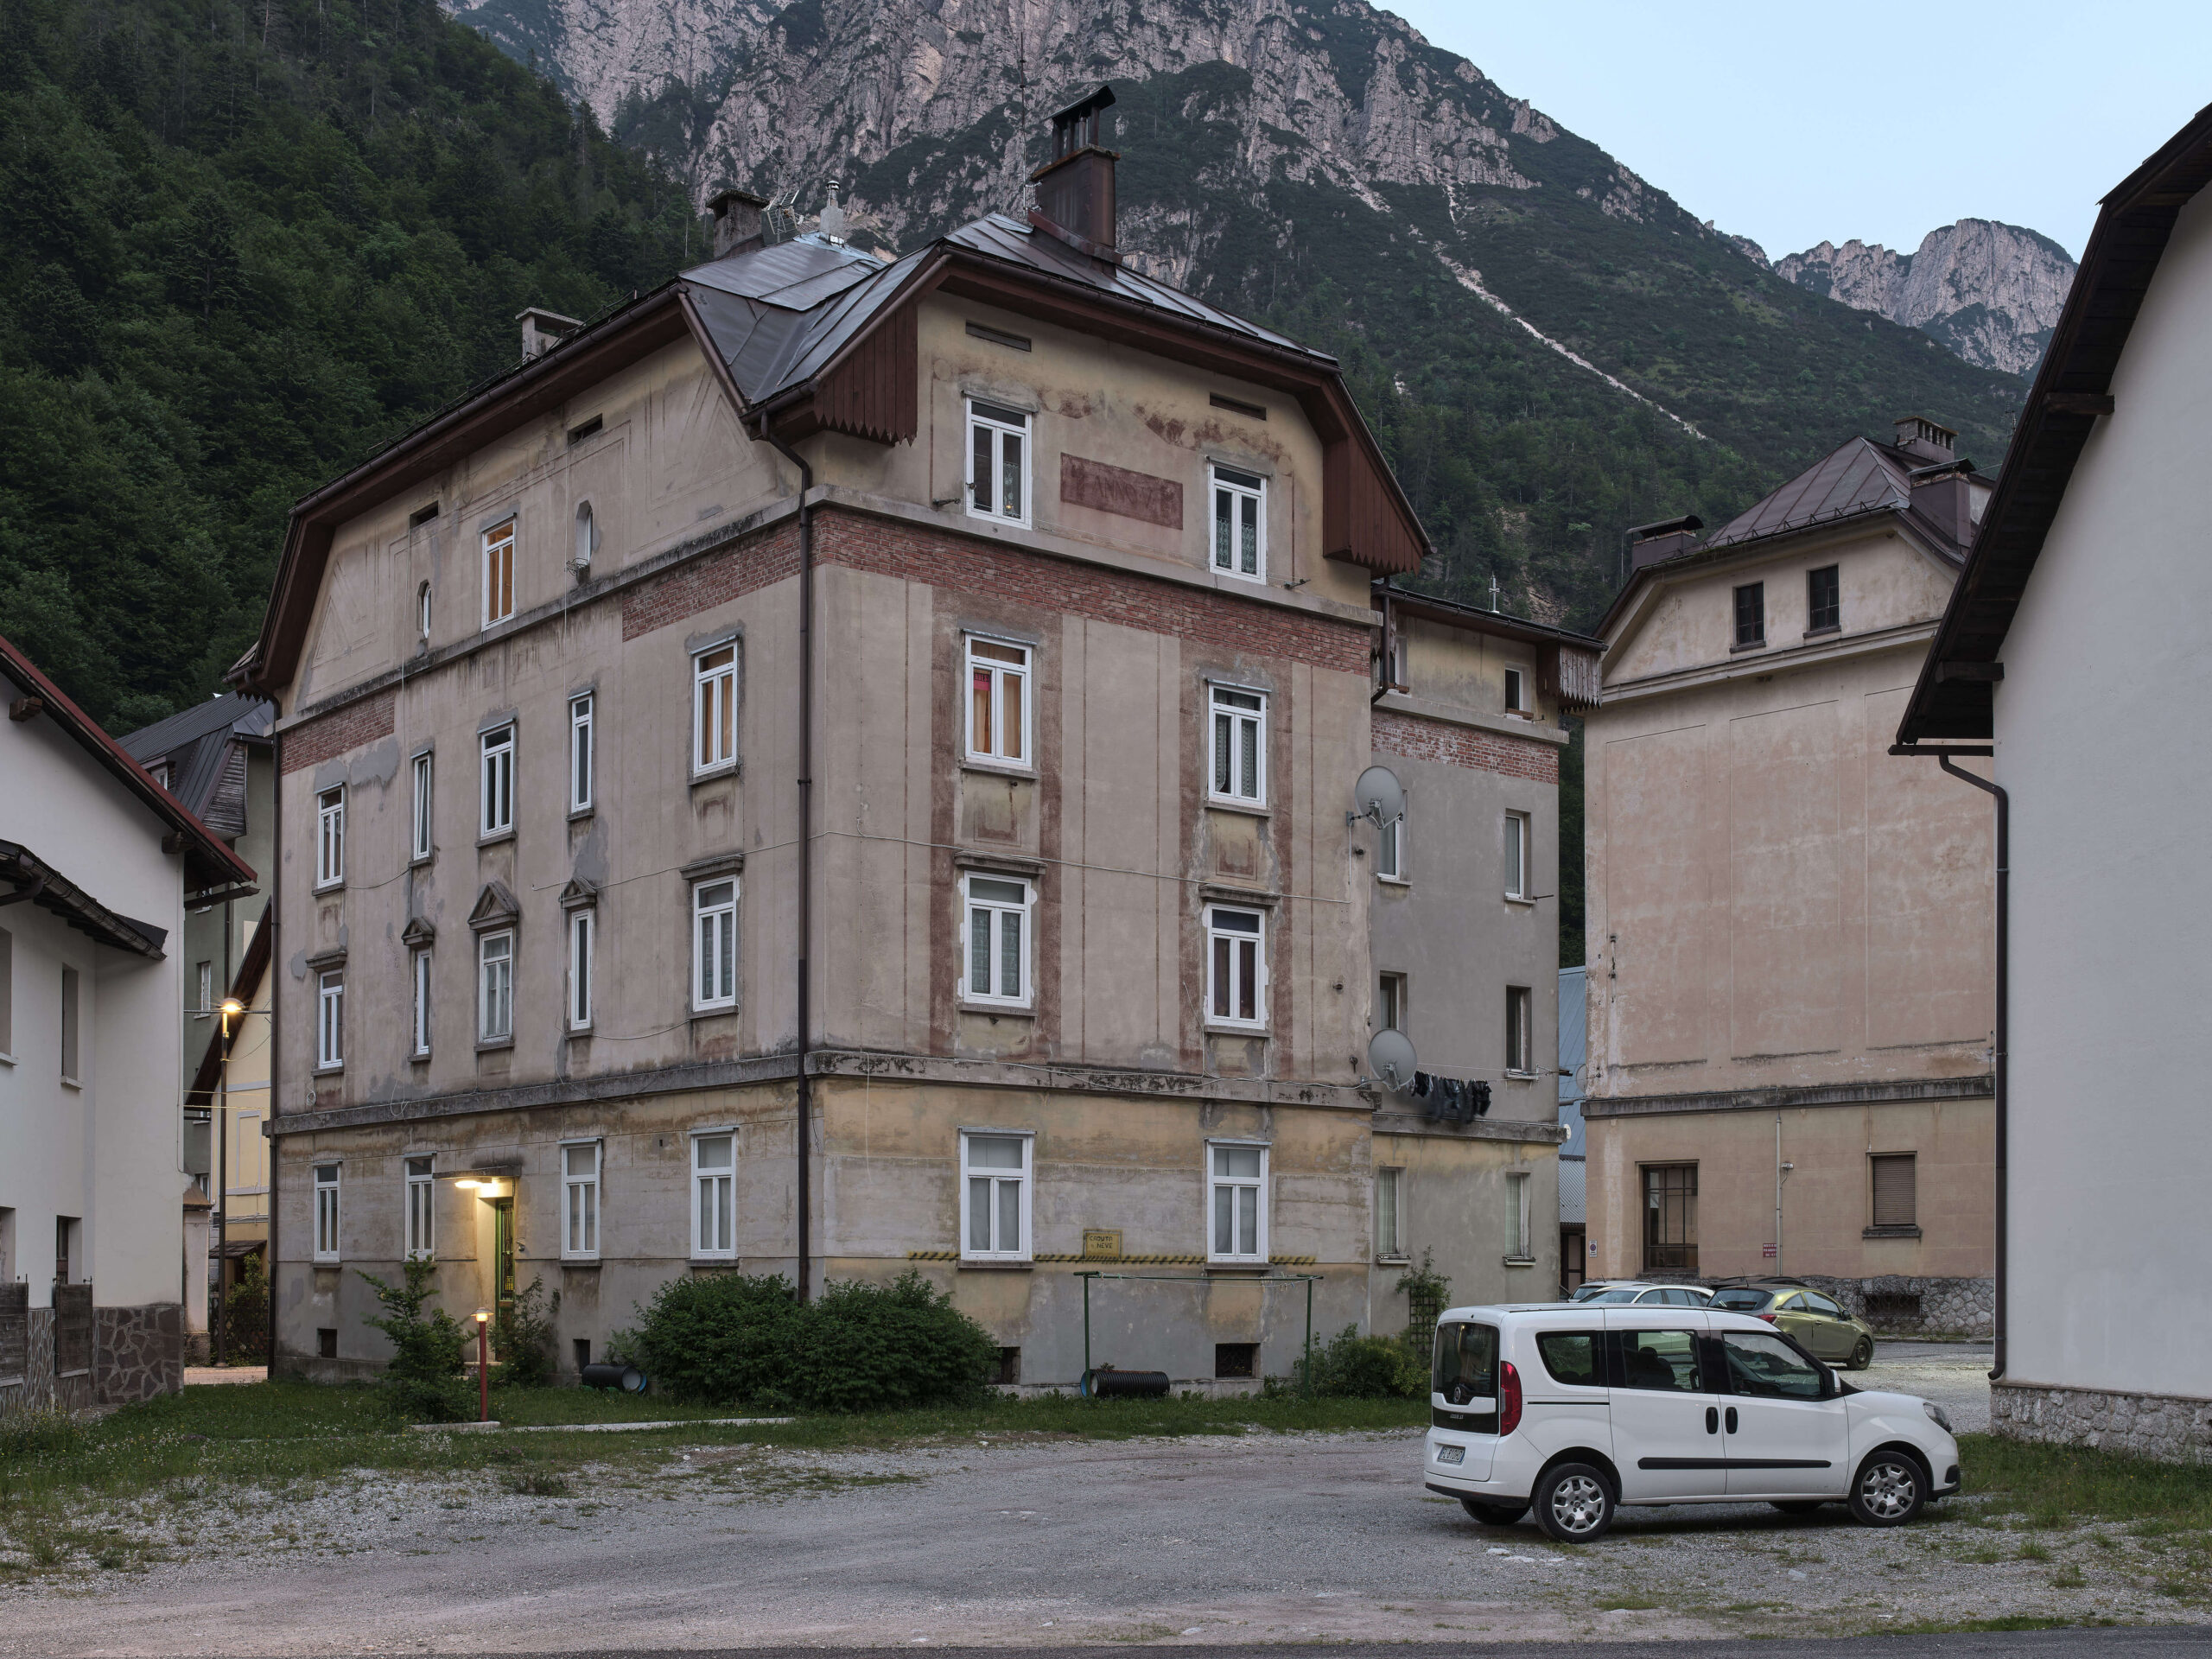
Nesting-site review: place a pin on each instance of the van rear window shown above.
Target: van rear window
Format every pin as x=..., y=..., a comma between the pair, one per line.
x=1572, y=1357
x=1742, y=1300
x=1466, y=1363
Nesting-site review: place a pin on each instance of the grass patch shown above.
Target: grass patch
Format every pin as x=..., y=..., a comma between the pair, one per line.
x=2057, y=1485
x=2008, y=1621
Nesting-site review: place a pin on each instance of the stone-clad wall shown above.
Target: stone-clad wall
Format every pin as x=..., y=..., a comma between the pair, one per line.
x=39, y=1389
x=2137, y=1425
x=137, y=1353
x=1898, y=1306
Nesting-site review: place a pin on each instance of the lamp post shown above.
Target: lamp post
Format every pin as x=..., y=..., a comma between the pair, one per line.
x=483, y=1366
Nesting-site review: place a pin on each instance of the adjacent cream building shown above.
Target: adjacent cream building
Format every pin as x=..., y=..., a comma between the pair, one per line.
x=842, y=767
x=1790, y=932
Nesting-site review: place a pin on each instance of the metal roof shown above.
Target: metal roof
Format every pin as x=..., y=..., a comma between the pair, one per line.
x=1860, y=477
x=196, y=742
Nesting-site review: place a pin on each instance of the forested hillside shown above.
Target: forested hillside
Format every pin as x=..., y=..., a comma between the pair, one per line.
x=241, y=245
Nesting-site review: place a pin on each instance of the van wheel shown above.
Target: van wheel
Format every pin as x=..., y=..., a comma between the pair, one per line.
x=1889, y=1490
x=1574, y=1503
x=1493, y=1515
x=1863, y=1354
x=1800, y=1506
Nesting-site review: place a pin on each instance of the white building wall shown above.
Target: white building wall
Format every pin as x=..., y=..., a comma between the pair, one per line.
x=2104, y=740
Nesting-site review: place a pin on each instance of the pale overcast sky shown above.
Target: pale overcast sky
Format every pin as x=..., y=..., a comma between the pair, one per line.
x=1790, y=123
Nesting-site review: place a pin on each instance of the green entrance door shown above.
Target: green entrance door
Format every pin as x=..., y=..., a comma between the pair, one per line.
x=503, y=1252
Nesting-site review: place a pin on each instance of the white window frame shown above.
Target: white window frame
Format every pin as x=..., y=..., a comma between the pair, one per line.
x=996, y=1249
x=999, y=422
x=1516, y=842
x=1228, y=721
x=419, y=977
x=580, y=1202
x=205, y=975
x=330, y=1022
x=1242, y=493
x=1023, y=914
x=495, y=987
x=495, y=782
x=992, y=750
x=1390, y=852
x=584, y=756
x=713, y=709
x=422, y=612
x=583, y=936
x=707, y=1244
x=1390, y=1213
x=1521, y=1022
x=497, y=567
x=1516, y=690
x=1227, y=994
x=1216, y=1182
x=326, y=1212
x=710, y=992
x=418, y=1216
x=330, y=838
x=421, y=844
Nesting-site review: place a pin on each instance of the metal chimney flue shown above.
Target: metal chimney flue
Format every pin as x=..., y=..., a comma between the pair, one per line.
x=1075, y=189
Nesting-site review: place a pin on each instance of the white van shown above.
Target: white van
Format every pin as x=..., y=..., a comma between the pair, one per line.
x=1577, y=1409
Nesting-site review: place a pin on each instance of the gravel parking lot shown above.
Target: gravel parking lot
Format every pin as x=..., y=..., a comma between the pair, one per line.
x=1035, y=1541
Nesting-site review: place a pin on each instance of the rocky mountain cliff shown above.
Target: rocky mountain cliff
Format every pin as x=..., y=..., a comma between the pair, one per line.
x=1990, y=292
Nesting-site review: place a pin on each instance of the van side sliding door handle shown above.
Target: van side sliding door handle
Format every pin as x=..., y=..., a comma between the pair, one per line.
x=1712, y=1420
x=1731, y=1419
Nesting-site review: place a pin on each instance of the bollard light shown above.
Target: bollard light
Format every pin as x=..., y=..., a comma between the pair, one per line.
x=483, y=1365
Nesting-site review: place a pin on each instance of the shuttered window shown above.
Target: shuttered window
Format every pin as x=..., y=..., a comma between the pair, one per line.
x=1895, y=1182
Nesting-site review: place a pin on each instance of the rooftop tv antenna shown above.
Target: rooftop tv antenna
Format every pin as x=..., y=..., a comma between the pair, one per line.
x=779, y=218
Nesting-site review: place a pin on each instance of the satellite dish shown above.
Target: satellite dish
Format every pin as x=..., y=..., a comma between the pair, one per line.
x=1390, y=1053
x=1381, y=797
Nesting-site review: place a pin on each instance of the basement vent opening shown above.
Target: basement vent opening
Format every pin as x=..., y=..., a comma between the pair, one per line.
x=1236, y=1358
x=422, y=515
x=999, y=336
x=325, y=1343
x=1237, y=406
x=578, y=434
x=1891, y=1306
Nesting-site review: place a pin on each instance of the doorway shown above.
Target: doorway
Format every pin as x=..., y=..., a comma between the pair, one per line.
x=503, y=1254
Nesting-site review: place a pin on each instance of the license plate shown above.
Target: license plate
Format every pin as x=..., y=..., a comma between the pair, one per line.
x=1451, y=1454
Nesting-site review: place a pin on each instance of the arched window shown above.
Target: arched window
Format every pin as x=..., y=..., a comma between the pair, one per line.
x=422, y=612
x=586, y=538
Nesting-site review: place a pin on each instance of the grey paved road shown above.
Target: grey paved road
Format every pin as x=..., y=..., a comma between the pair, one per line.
x=2179, y=1641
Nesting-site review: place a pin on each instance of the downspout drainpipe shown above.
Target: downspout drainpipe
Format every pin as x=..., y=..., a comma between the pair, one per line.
x=2001, y=1037
x=806, y=827
x=272, y=968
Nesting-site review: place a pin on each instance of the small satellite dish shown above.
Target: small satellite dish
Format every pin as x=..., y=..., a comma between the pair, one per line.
x=1390, y=1053
x=1381, y=797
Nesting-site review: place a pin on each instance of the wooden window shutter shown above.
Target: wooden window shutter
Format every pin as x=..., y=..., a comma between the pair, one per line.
x=1894, y=1185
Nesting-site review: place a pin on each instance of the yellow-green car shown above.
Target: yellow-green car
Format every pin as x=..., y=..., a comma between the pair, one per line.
x=1817, y=1322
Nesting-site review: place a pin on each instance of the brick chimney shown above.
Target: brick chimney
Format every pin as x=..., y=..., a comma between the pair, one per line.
x=1923, y=439
x=543, y=330
x=1075, y=189
x=737, y=220
x=1648, y=543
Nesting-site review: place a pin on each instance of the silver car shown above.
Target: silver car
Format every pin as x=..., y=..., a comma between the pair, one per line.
x=1626, y=1293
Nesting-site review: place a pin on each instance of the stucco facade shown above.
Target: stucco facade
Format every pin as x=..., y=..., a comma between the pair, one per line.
x=1790, y=932
x=1142, y=1032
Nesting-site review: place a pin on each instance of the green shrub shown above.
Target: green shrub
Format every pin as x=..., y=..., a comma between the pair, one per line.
x=422, y=1381
x=522, y=1336
x=731, y=1338
x=1353, y=1367
x=245, y=1315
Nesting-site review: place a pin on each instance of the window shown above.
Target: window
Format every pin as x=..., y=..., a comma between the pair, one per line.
x=1750, y=614
x=1236, y=968
x=587, y=539
x=330, y=837
x=1520, y=1051
x=495, y=987
x=1235, y=1360
x=7, y=1000
x=420, y=1214
x=580, y=1201
x=1671, y=1217
x=583, y=924
x=1390, y=851
x=998, y=701
x=1523, y=1247
x=498, y=573
x=1240, y=746
x=69, y=1071
x=1516, y=854
x=204, y=989
x=994, y=1169
x=996, y=968
x=496, y=815
x=419, y=847
x=713, y=912
x=1466, y=1363
x=326, y=1212
x=422, y=612
x=1515, y=683
x=714, y=1185
x=580, y=753
x=1239, y=545
x=1390, y=1002
x=330, y=1022
x=1662, y=1360
x=1390, y=1239
x=713, y=707
x=1237, y=1205
x=1823, y=599
x=422, y=978
x=1896, y=1178
x=998, y=462
x=1766, y=1367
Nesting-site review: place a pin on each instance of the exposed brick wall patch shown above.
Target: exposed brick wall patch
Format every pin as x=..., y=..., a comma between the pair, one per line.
x=710, y=580
x=333, y=734
x=1419, y=737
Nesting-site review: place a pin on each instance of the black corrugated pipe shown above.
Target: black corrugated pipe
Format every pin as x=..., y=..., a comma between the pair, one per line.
x=2001, y=1037
x=805, y=818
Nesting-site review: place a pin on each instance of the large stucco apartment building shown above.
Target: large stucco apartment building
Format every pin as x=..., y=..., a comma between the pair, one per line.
x=849, y=764
x=1790, y=930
